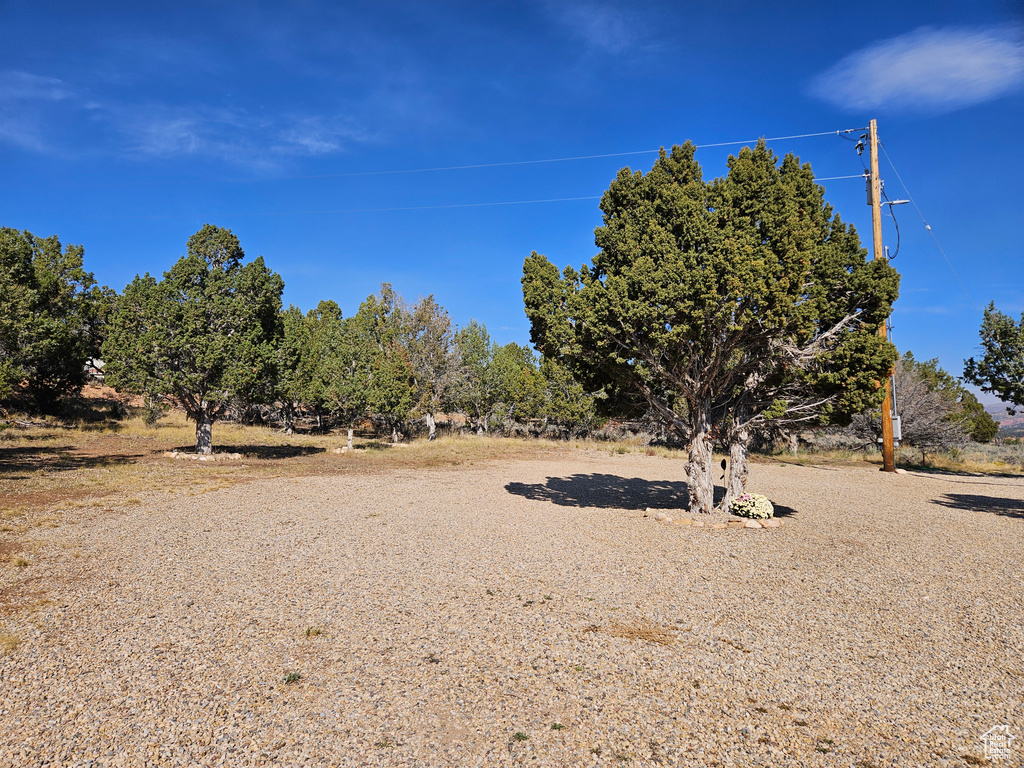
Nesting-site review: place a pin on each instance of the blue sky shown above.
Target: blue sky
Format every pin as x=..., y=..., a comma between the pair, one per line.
x=125, y=127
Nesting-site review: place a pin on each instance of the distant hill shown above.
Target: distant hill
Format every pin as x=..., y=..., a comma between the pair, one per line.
x=1009, y=426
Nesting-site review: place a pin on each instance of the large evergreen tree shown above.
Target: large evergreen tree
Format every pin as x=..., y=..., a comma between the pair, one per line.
x=708, y=299
x=204, y=334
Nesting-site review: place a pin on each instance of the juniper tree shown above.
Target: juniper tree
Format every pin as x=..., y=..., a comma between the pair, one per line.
x=433, y=354
x=697, y=295
x=346, y=371
x=384, y=321
x=517, y=388
x=50, y=316
x=1001, y=369
x=566, y=403
x=204, y=334
x=293, y=375
x=473, y=391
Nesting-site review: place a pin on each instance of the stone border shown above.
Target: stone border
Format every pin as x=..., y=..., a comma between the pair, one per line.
x=201, y=456
x=662, y=516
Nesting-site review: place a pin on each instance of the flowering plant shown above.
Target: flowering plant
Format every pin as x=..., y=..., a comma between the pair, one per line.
x=752, y=505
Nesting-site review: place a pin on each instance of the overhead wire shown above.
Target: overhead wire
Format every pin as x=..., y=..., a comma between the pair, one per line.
x=489, y=165
x=503, y=164
x=928, y=227
x=895, y=223
x=381, y=210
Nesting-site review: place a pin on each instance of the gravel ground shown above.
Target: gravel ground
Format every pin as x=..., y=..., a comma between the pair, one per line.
x=431, y=616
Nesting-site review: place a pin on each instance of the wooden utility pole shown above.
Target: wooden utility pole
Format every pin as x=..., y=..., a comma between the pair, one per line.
x=888, y=446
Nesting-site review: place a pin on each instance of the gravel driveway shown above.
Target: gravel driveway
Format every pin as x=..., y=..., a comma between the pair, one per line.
x=525, y=612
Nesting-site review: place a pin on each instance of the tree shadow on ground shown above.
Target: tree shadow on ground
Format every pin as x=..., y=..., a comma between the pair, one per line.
x=976, y=503
x=615, y=492
x=781, y=511
x=28, y=458
x=260, y=451
x=608, y=492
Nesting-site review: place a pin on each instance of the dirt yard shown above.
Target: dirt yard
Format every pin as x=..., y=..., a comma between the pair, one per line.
x=514, y=611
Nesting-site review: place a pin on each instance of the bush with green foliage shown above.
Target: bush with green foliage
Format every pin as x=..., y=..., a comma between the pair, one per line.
x=1001, y=369
x=51, y=316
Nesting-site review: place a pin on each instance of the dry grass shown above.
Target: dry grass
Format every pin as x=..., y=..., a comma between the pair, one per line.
x=48, y=474
x=51, y=473
x=978, y=460
x=9, y=643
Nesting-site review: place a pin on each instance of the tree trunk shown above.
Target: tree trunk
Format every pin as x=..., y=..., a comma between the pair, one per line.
x=394, y=433
x=288, y=416
x=794, y=442
x=431, y=426
x=204, y=434
x=699, y=479
x=739, y=465
x=350, y=438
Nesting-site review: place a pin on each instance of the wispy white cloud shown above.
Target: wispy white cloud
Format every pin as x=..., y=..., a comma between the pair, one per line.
x=319, y=135
x=933, y=69
x=21, y=123
x=24, y=86
x=32, y=107
x=164, y=131
x=601, y=25
x=233, y=135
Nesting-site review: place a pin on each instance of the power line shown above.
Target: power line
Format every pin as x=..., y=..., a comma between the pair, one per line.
x=504, y=164
x=411, y=207
x=928, y=226
x=433, y=207
x=377, y=210
x=486, y=165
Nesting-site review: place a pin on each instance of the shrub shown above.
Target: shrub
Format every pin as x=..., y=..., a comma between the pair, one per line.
x=752, y=505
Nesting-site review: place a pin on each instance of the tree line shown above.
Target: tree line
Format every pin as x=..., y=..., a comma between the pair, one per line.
x=211, y=335
x=719, y=310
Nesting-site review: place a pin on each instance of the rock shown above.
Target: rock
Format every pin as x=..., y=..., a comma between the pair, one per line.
x=901, y=471
x=718, y=525
x=751, y=524
x=698, y=523
x=336, y=450
x=771, y=522
x=735, y=524
x=684, y=521
x=171, y=454
x=662, y=517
